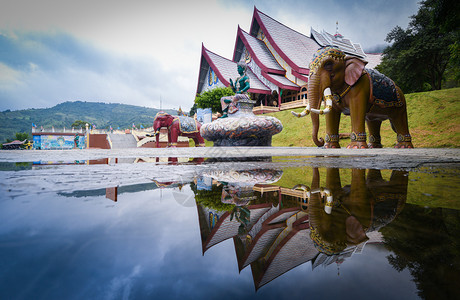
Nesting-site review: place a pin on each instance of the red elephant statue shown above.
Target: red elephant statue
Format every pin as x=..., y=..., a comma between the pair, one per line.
x=177, y=126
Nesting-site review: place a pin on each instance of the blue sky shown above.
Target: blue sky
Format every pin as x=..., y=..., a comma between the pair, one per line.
x=141, y=51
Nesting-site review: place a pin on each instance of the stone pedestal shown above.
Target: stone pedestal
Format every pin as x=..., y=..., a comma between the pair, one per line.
x=242, y=128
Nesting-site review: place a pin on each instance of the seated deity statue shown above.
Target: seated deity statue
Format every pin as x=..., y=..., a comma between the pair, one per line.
x=240, y=87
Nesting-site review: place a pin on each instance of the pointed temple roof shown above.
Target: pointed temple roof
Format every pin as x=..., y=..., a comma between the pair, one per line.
x=325, y=39
x=258, y=51
x=294, y=47
x=226, y=69
x=275, y=50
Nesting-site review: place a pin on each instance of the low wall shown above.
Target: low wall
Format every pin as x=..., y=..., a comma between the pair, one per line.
x=98, y=141
x=58, y=140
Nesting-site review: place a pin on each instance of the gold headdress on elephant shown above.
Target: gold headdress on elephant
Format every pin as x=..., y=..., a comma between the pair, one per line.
x=322, y=55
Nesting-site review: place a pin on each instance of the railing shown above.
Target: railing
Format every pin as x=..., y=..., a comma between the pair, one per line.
x=93, y=131
x=110, y=141
x=293, y=104
x=284, y=106
x=58, y=130
x=145, y=140
x=264, y=109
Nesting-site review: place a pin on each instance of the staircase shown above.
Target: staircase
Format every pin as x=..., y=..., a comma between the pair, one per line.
x=122, y=141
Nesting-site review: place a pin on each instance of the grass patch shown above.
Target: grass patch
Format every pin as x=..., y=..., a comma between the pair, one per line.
x=434, y=122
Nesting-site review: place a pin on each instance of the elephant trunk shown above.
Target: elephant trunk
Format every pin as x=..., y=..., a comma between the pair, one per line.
x=328, y=98
x=314, y=102
x=156, y=129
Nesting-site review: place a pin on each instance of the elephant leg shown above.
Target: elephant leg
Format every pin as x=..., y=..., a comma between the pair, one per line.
x=169, y=138
x=332, y=129
x=358, y=107
x=373, y=176
x=400, y=125
x=173, y=137
x=333, y=179
x=199, y=141
x=195, y=141
x=375, y=140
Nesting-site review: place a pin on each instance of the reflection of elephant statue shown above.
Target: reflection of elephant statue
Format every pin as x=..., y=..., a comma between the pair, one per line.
x=352, y=211
x=177, y=126
x=364, y=94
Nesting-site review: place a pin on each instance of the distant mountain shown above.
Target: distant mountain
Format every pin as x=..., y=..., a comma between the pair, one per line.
x=103, y=115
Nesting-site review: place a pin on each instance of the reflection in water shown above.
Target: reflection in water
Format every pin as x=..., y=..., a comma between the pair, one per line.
x=112, y=161
x=276, y=229
x=306, y=224
x=426, y=242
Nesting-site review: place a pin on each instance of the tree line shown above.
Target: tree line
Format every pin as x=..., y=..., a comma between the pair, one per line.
x=426, y=55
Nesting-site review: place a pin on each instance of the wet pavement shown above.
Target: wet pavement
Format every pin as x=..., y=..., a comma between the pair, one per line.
x=102, y=167
x=383, y=158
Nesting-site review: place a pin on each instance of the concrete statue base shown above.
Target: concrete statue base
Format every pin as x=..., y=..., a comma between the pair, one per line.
x=242, y=128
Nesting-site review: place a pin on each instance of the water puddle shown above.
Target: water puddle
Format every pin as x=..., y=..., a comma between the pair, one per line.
x=215, y=228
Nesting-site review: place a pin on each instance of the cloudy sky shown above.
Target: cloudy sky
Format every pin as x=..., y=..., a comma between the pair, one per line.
x=142, y=51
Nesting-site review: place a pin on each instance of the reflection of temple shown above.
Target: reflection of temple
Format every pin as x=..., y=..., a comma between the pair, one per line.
x=277, y=236
x=273, y=229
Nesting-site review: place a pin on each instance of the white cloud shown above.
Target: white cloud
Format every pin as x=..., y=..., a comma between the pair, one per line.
x=138, y=51
x=7, y=75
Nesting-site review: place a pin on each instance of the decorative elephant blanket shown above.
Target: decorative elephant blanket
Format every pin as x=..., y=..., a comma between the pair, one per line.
x=384, y=90
x=187, y=124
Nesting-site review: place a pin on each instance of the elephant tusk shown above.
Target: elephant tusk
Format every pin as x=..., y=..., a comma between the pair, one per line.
x=328, y=97
x=301, y=187
x=305, y=112
x=329, y=200
x=328, y=204
x=304, y=188
x=152, y=134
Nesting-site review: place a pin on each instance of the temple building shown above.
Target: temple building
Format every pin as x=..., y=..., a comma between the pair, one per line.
x=278, y=59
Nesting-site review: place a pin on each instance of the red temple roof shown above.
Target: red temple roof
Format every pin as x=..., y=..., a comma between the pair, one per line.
x=259, y=52
x=295, y=48
x=226, y=69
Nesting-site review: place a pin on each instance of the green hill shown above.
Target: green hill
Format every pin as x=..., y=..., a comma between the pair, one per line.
x=434, y=122
x=62, y=115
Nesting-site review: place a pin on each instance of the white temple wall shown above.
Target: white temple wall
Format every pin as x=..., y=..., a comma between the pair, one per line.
x=280, y=60
x=212, y=81
x=246, y=58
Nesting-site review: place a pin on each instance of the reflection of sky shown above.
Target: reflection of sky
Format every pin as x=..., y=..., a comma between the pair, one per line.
x=148, y=246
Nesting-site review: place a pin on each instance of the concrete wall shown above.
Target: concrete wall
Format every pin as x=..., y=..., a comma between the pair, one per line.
x=98, y=141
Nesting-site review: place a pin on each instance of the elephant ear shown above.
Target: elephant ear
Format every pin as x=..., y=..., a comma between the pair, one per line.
x=353, y=69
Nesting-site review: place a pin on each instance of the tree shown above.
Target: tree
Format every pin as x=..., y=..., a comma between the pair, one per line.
x=418, y=56
x=211, y=99
x=192, y=110
x=79, y=124
x=20, y=136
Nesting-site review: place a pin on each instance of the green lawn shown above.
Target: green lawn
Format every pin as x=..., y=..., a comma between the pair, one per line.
x=434, y=122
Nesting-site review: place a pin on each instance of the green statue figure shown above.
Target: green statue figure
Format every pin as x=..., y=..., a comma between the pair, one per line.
x=240, y=87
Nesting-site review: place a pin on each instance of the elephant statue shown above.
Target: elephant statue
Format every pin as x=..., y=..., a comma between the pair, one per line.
x=177, y=126
x=364, y=94
x=350, y=213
